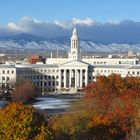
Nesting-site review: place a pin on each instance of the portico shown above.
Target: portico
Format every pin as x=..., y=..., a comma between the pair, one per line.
x=73, y=74
x=73, y=78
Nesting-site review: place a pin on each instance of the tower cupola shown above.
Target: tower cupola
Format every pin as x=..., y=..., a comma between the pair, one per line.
x=74, y=51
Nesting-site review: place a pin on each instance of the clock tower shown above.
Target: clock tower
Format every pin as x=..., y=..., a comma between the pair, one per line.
x=74, y=51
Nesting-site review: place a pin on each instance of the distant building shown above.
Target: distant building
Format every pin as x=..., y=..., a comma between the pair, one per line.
x=7, y=75
x=131, y=54
x=36, y=58
x=68, y=74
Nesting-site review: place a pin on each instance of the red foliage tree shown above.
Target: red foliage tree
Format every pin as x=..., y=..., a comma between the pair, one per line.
x=24, y=92
x=116, y=100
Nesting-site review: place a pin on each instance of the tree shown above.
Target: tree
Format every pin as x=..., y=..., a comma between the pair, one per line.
x=115, y=101
x=24, y=92
x=109, y=110
x=18, y=121
x=71, y=126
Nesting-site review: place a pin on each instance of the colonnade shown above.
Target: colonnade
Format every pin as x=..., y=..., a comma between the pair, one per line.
x=73, y=78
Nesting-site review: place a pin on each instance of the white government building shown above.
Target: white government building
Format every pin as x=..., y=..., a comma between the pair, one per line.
x=68, y=74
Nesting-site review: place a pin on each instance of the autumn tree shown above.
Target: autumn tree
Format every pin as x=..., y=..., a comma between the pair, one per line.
x=109, y=110
x=71, y=126
x=20, y=122
x=24, y=92
x=115, y=101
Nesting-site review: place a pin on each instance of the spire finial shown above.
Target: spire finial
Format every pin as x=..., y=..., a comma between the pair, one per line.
x=75, y=31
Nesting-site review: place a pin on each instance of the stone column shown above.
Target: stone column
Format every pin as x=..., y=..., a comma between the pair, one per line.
x=81, y=78
x=78, y=82
x=70, y=78
x=65, y=75
x=60, y=78
x=86, y=77
x=75, y=78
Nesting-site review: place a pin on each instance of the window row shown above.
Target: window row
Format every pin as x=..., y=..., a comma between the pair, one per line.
x=108, y=71
x=45, y=84
x=99, y=62
x=39, y=70
x=134, y=72
x=45, y=77
x=5, y=78
x=8, y=71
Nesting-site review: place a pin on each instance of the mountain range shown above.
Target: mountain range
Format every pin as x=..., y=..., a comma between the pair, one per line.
x=30, y=43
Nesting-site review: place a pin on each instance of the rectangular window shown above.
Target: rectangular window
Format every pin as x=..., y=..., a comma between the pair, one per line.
x=3, y=78
x=133, y=72
x=89, y=77
x=53, y=83
x=57, y=83
x=7, y=78
x=45, y=83
x=41, y=83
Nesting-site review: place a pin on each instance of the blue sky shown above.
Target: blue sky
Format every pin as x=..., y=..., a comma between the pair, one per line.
x=105, y=21
x=100, y=10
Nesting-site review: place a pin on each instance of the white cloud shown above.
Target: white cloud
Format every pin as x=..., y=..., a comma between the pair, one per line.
x=13, y=26
x=125, y=31
x=22, y=26
x=86, y=21
x=61, y=24
x=114, y=22
x=27, y=24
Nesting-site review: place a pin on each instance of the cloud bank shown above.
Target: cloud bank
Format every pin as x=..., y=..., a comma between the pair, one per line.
x=125, y=31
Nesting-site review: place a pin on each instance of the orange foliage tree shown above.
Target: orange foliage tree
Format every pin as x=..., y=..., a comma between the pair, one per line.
x=19, y=122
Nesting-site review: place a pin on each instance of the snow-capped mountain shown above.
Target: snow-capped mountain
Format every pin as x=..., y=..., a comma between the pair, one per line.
x=27, y=42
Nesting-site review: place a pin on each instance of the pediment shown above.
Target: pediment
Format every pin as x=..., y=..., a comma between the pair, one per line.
x=75, y=63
